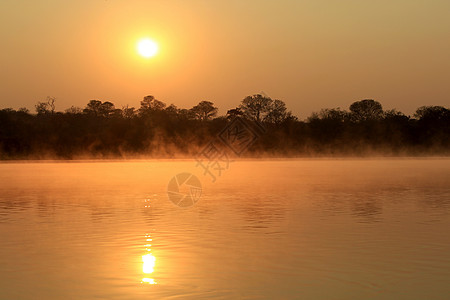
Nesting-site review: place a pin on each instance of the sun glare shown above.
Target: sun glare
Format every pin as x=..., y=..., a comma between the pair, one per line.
x=149, y=263
x=147, y=48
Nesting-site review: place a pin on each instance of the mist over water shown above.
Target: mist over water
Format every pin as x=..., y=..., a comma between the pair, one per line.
x=309, y=229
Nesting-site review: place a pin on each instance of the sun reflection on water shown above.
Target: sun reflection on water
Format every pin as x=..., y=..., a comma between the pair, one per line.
x=148, y=280
x=149, y=261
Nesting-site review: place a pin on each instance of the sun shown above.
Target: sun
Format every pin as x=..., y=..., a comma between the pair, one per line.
x=147, y=48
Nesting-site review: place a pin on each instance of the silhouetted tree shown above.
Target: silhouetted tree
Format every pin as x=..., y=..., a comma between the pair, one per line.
x=394, y=114
x=23, y=110
x=432, y=113
x=277, y=112
x=151, y=104
x=93, y=108
x=205, y=110
x=99, y=109
x=47, y=107
x=74, y=110
x=186, y=114
x=433, y=126
x=51, y=103
x=172, y=110
x=128, y=112
x=233, y=113
x=327, y=127
x=107, y=109
x=42, y=108
x=335, y=114
x=367, y=109
x=256, y=107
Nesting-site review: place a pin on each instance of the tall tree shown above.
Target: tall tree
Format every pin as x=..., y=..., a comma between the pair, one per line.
x=277, y=112
x=93, y=108
x=256, y=107
x=42, y=108
x=366, y=109
x=335, y=114
x=151, y=104
x=205, y=110
x=46, y=107
x=233, y=113
x=172, y=110
x=128, y=112
x=106, y=109
x=432, y=113
x=74, y=110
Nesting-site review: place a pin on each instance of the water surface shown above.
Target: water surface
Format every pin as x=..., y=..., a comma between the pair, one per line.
x=288, y=229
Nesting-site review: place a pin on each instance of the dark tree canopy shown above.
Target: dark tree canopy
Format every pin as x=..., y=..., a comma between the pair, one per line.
x=255, y=107
x=233, y=113
x=151, y=104
x=47, y=107
x=128, y=112
x=74, y=110
x=432, y=112
x=205, y=110
x=278, y=112
x=335, y=114
x=365, y=110
x=99, y=109
x=261, y=109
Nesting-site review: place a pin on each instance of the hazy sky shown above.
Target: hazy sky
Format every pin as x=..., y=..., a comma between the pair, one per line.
x=310, y=54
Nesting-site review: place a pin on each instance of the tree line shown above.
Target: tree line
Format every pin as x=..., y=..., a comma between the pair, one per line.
x=155, y=129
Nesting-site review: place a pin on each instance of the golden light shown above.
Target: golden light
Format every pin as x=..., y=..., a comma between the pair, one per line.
x=148, y=268
x=149, y=263
x=147, y=48
x=149, y=280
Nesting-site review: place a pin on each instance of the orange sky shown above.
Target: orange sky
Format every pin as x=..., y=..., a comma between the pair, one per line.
x=311, y=54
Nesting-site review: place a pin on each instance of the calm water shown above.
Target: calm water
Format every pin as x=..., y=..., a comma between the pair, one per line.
x=303, y=229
